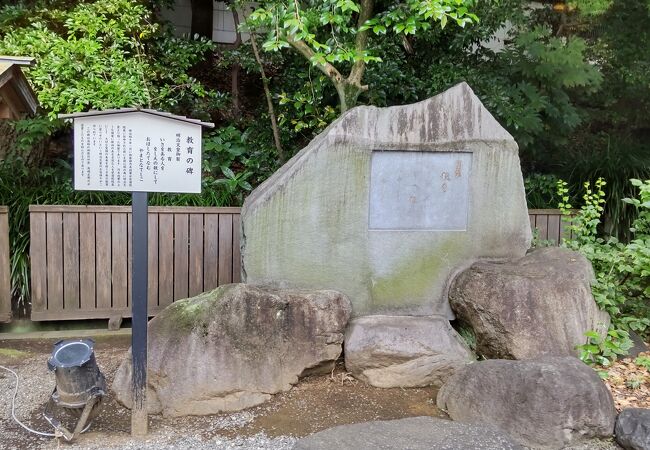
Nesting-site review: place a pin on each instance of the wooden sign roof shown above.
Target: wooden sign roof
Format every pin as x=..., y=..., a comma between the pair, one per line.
x=153, y=112
x=17, y=99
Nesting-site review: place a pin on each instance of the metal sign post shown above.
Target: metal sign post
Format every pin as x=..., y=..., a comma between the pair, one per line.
x=138, y=151
x=139, y=241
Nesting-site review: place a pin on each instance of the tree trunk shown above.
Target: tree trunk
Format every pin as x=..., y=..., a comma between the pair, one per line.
x=269, y=100
x=348, y=94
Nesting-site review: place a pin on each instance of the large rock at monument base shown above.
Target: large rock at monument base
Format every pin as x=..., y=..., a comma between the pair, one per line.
x=403, y=351
x=633, y=429
x=415, y=433
x=549, y=402
x=540, y=304
x=235, y=346
x=387, y=203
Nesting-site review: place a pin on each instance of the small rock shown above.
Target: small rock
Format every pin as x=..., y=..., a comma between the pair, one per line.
x=538, y=305
x=416, y=433
x=549, y=402
x=403, y=351
x=633, y=429
x=233, y=347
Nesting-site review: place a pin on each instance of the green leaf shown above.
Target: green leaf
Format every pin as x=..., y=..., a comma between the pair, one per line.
x=228, y=172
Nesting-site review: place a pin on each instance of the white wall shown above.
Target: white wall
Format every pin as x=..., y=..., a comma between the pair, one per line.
x=223, y=23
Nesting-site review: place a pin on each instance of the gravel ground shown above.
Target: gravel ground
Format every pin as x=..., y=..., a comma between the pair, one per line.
x=36, y=385
x=314, y=404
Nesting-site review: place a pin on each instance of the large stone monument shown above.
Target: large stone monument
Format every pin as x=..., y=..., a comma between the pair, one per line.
x=388, y=203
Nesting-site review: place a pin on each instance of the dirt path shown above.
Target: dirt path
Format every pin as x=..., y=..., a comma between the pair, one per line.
x=316, y=403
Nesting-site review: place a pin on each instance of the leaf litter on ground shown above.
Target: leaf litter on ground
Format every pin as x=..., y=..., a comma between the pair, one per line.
x=629, y=382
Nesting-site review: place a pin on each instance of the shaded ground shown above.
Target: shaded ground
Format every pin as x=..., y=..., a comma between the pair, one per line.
x=316, y=403
x=629, y=382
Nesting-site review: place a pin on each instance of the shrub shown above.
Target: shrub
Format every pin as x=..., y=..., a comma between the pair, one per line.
x=622, y=286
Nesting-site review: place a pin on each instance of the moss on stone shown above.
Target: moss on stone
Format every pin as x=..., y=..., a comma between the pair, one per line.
x=193, y=312
x=414, y=279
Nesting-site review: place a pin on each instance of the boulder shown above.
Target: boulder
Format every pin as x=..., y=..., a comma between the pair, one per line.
x=633, y=429
x=549, y=402
x=235, y=346
x=416, y=433
x=386, y=203
x=537, y=305
x=403, y=351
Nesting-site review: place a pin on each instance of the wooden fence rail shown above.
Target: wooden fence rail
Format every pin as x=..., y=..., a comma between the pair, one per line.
x=81, y=258
x=5, y=268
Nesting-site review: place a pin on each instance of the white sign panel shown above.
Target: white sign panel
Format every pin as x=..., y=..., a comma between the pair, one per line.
x=136, y=152
x=419, y=190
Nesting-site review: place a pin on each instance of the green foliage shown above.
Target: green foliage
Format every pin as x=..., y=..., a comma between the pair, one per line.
x=541, y=191
x=601, y=351
x=101, y=54
x=612, y=141
x=622, y=286
x=303, y=110
x=643, y=361
x=333, y=35
x=329, y=27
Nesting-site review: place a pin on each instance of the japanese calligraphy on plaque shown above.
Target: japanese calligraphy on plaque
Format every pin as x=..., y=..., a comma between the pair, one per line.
x=137, y=151
x=419, y=190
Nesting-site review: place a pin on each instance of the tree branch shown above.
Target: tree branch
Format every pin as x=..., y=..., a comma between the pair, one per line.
x=306, y=51
x=361, y=42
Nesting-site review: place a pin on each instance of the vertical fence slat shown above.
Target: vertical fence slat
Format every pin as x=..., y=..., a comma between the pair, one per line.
x=236, y=255
x=38, y=261
x=119, y=263
x=71, y=274
x=554, y=228
x=196, y=255
x=5, y=268
x=564, y=230
x=87, y=261
x=225, y=248
x=211, y=252
x=154, y=243
x=165, y=259
x=541, y=223
x=54, y=239
x=181, y=252
x=103, y=260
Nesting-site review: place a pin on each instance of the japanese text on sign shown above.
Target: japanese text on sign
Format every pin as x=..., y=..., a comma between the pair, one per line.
x=137, y=152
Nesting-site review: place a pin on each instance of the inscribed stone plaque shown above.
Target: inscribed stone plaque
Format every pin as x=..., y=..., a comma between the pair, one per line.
x=419, y=190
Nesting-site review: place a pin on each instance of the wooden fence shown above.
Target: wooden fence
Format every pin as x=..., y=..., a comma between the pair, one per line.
x=81, y=258
x=549, y=225
x=5, y=268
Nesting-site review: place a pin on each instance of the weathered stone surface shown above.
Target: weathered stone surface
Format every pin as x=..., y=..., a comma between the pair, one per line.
x=233, y=347
x=638, y=345
x=403, y=351
x=633, y=429
x=323, y=221
x=549, y=402
x=416, y=433
x=538, y=305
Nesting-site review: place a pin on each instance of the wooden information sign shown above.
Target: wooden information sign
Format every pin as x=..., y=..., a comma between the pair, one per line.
x=138, y=151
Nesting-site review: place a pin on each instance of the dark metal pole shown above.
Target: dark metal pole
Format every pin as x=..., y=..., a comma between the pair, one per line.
x=139, y=246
